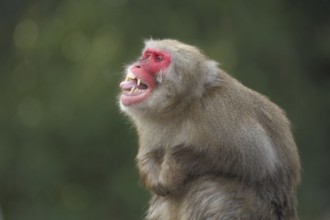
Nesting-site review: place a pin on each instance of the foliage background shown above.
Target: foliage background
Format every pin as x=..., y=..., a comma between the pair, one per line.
x=65, y=150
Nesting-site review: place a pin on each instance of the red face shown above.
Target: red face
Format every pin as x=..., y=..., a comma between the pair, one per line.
x=140, y=79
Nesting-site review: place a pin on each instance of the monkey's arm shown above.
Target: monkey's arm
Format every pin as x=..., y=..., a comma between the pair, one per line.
x=168, y=171
x=149, y=165
x=182, y=163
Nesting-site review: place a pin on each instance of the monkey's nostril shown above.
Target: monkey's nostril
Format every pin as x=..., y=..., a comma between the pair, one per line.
x=138, y=66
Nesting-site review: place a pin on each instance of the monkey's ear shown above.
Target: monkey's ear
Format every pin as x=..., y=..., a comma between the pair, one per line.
x=212, y=74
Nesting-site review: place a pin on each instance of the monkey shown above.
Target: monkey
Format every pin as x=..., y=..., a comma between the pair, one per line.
x=209, y=148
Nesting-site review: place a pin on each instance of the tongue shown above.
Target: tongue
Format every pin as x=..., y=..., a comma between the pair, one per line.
x=127, y=84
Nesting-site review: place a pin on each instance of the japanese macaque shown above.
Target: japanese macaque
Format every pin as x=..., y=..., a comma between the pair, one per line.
x=209, y=147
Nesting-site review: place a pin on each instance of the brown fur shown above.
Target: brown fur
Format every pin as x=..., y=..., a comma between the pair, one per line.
x=210, y=148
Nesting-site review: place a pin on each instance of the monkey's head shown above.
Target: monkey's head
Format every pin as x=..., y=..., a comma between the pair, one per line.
x=168, y=76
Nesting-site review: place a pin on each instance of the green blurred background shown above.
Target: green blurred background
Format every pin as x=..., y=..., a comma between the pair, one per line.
x=66, y=153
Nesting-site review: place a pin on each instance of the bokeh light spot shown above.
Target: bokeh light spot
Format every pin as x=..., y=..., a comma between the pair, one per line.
x=26, y=34
x=75, y=47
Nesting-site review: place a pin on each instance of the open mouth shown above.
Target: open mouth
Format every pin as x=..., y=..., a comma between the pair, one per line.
x=133, y=89
x=132, y=85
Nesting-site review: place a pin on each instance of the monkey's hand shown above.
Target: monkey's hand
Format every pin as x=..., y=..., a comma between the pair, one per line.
x=171, y=177
x=149, y=166
x=180, y=164
x=160, y=173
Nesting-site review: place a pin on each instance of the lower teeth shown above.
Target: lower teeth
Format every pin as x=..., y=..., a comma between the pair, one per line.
x=133, y=90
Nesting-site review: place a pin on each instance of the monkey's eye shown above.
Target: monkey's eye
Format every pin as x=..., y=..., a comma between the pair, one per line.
x=159, y=57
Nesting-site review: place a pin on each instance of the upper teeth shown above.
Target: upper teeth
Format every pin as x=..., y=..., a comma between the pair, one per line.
x=131, y=76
